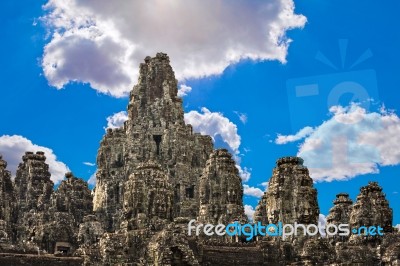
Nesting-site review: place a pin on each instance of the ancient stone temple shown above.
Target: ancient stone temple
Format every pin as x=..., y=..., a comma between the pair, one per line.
x=148, y=198
x=291, y=196
x=154, y=177
x=340, y=212
x=33, y=186
x=372, y=208
x=70, y=203
x=73, y=197
x=221, y=192
x=110, y=178
x=33, y=189
x=7, y=201
x=155, y=130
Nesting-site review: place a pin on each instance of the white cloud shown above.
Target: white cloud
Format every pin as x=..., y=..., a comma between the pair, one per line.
x=252, y=191
x=249, y=211
x=102, y=42
x=352, y=142
x=244, y=173
x=117, y=120
x=14, y=147
x=89, y=163
x=92, y=179
x=242, y=117
x=184, y=90
x=301, y=134
x=214, y=124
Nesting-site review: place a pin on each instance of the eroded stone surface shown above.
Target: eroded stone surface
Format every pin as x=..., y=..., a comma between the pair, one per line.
x=221, y=190
x=340, y=212
x=372, y=208
x=7, y=201
x=148, y=199
x=291, y=196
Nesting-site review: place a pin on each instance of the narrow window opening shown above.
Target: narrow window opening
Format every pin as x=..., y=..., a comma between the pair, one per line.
x=190, y=192
x=157, y=139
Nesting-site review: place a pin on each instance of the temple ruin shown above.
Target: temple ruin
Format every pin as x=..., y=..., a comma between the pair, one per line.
x=154, y=176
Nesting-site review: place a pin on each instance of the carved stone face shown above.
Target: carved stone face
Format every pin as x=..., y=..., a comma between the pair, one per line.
x=273, y=216
x=306, y=214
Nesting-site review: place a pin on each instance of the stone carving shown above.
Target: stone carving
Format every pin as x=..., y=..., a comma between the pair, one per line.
x=33, y=189
x=291, y=196
x=340, y=212
x=221, y=192
x=33, y=186
x=73, y=197
x=372, y=208
x=7, y=201
x=148, y=197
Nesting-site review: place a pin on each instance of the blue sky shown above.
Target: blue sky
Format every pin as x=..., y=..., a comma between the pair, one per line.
x=71, y=121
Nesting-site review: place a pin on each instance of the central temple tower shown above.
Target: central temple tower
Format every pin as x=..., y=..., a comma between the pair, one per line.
x=155, y=131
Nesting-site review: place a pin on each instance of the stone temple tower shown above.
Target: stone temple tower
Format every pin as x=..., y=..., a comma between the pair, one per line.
x=154, y=131
x=33, y=189
x=221, y=190
x=372, y=208
x=33, y=186
x=291, y=196
x=340, y=212
x=7, y=200
x=148, y=198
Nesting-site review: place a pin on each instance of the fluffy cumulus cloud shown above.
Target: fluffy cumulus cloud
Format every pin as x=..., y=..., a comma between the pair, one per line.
x=245, y=173
x=252, y=191
x=102, y=42
x=214, y=124
x=352, y=142
x=249, y=211
x=117, y=120
x=184, y=90
x=14, y=147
